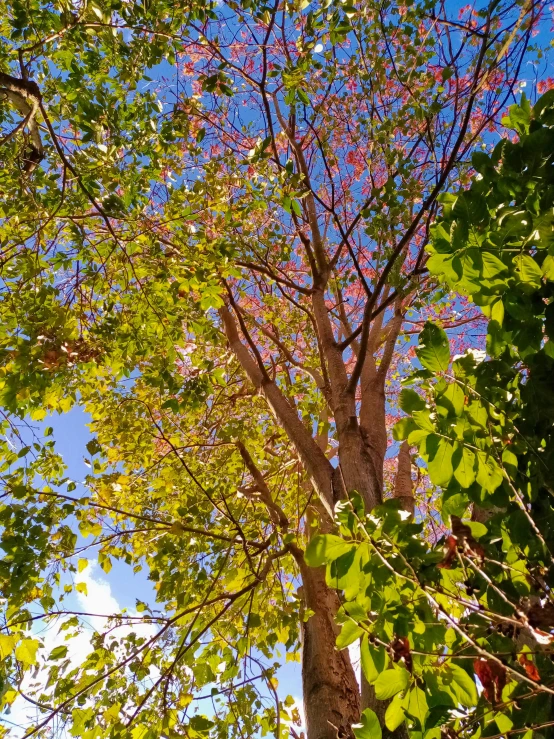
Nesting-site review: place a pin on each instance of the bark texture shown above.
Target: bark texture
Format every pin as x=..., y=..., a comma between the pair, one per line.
x=330, y=689
x=403, y=488
x=25, y=96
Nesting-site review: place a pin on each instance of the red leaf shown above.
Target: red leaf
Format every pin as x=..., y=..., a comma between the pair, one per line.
x=449, y=552
x=492, y=677
x=529, y=667
x=400, y=650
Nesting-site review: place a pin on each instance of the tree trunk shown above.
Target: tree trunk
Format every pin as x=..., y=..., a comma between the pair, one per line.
x=373, y=420
x=403, y=487
x=330, y=689
x=329, y=686
x=403, y=490
x=358, y=469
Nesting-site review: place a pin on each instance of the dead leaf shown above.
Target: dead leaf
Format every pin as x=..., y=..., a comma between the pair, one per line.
x=399, y=650
x=529, y=666
x=449, y=552
x=493, y=678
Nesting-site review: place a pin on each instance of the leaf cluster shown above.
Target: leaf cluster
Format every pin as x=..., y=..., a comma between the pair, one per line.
x=460, y=635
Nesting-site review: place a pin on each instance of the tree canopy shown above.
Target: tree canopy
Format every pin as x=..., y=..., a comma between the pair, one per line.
x=219, y=237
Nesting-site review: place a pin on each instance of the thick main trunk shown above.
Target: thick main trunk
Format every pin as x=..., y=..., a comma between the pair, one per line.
x=357, y=466
x=374, y=430
x=330, y=690
x=373, y=420
x=403, y=491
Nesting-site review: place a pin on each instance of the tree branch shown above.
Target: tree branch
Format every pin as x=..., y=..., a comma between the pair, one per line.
x=314, y=460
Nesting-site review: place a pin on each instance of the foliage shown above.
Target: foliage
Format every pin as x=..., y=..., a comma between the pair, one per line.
x=461, y=635
x=212, y=226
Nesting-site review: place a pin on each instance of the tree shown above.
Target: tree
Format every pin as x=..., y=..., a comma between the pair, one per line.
x=214, y=224
x=476, y=609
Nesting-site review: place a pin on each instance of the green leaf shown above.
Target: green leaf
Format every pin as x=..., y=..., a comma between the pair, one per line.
x=402, y=429
x=496, y=339
x=477, y=529
x=369, y=728
x=464, y=464
x=453, y=504
x=416, y=437
x=394, y=715
x=58, y=652
x=433, y=351
x=464, y=687
x=452, y=400
x=497, y=312
x=480, y=161
x=423, y=420
x=93, y=447
x=415, y=704
x=325, y=548
x=349, y=633
x=411, y=401
x=373, y=659
x=438, y=453
x=296, y=207
x=391, y=682
x=201, y=723
x=548, y=268
x=492, y=266
x=503, y=722
x=528, y=271
x=489, y=474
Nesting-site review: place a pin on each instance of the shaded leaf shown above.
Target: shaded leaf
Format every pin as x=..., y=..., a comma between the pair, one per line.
x=433, y=351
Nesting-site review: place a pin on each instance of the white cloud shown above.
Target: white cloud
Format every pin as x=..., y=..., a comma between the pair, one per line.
x=98, y=600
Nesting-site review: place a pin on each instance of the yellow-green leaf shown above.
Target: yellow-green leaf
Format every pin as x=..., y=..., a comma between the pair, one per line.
x=82, y=565
x=26, y=651
x=463, y=461
x=7, y=645
x=391, y=682
x=394, y=715
x=349, y=633
x=438, y=453
x=369, y=728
